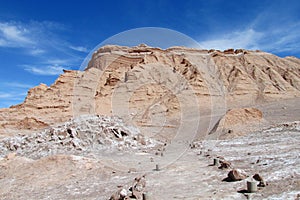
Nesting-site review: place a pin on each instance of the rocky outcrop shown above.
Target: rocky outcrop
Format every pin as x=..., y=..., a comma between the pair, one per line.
x=42, y=107
x=238, y=122
x=145, y=83
x=78, y=136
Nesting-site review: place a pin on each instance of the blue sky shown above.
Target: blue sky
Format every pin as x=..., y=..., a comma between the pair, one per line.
x=40, y=38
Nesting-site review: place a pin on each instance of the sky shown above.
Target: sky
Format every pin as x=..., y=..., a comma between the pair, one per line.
x=38, y=39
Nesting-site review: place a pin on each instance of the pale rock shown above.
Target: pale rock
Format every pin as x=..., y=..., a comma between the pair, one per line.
x=150, y=76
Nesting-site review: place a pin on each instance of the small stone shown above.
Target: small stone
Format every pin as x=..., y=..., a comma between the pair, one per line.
x=262, y=184
x=132, y=170
x=123, y=193
x=88, y=166
x=259, y=178
x=236, y=175
x=137, y=195
x=10, y=156
x=120, y=194
x=143, y=141
x=225, y=164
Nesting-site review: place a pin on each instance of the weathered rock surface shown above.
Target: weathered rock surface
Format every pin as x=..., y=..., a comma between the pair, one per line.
x=79, y=136
x=239, y=121
x=140, y=78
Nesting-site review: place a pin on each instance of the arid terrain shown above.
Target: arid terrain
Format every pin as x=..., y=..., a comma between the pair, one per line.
x=146, y=123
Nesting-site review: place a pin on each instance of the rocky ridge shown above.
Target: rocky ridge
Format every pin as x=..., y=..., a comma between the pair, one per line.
x=143, y=77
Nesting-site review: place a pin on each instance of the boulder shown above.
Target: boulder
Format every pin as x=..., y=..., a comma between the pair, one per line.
x=259, y=178
x=236, y=175
x=224, y=164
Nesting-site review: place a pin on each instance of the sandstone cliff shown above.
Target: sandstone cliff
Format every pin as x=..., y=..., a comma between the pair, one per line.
x=153, y=86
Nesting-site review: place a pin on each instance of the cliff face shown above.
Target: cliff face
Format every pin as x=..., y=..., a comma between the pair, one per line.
x=149, y=85
x=42, y=107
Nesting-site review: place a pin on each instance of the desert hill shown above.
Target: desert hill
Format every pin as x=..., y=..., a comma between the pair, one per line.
x=150, y=84
x=142, y=121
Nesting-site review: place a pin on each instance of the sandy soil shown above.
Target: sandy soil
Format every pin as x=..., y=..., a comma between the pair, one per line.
x=186, y=173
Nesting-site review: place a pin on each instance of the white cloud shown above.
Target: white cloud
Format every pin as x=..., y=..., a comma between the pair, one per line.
x=3, y=42
x=46, y=70
x=5, y=95
x=57, y=61
x=280, y=36
x=35, y=52
x=12, y=93
x=12, y=35
x=246, y=39
x=284, y=38
x=17, y=85
x=279, y=39
x=42, y=41
x=12, y=96
x=79, y=48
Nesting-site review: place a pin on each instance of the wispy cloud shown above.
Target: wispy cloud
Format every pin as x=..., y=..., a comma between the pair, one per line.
x=57, y=61
x=44, y=43
x=36, y=52
x=17, y=85
x=284, y=38
x=271, y=31
x=12, y=35
x=277, y=40
x=10, y=98
x=13, y=93
x=79, y=48
x=5, y=95
x=45, y=70
x=245, y=39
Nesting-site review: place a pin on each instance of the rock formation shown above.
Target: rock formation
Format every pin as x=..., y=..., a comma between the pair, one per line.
x=80, y=136
x=146, y=83
x=239, y=121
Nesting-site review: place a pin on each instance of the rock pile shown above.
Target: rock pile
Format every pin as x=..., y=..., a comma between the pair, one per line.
x=80, y=135
x=136, y=191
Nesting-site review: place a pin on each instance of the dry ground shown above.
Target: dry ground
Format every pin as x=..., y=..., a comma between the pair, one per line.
x=188, y=175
